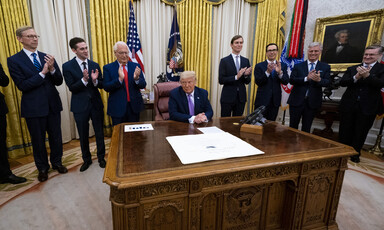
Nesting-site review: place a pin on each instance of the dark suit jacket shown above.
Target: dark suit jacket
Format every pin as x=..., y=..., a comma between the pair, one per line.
x=40, y=95
x=315, y=93
x=367, y=90
x=82, y=95
x=4, y=81
x=178, y=104
x=117, y=101
x=348, y=54
x=227, y=72
x=269, y=87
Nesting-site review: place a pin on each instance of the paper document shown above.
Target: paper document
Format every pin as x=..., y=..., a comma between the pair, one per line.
x=206, y=147
x=141, y=127
x=212, y=129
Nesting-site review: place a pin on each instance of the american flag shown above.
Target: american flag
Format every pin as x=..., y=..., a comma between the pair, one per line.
x=133, y=40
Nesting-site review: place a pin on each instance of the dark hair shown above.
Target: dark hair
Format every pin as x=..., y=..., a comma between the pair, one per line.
x=271, y=44
x=73, y=42
x=373, y=47
x=235, y=38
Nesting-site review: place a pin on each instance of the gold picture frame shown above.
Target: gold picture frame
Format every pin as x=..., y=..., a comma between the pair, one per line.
x=362, y=29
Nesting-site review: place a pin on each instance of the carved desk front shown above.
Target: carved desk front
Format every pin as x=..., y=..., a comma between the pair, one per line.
x=296, y=184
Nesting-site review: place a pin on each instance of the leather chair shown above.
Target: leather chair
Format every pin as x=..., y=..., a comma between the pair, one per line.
x=162, y=91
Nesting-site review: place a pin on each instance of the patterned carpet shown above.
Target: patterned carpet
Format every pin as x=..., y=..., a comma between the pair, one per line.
x=71, y=158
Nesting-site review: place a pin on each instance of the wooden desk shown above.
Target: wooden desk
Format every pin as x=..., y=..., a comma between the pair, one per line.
x=296, y=184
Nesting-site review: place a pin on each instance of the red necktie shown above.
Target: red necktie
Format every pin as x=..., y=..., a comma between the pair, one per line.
x=126, y=83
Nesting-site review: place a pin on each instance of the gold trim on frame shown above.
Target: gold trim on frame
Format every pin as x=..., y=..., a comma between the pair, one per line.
x=376, y=19
x=212, y=2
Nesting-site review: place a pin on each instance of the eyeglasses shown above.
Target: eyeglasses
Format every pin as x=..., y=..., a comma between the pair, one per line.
x=122, y=53
x=272, y=50
x=32, y=36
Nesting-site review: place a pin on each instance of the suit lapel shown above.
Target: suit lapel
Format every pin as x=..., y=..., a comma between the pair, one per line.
x=196, y=97
x=76, y=67
x=25, y=59
x=185, y=99
x=42, y=61
x=306, y=68
x=232, y=62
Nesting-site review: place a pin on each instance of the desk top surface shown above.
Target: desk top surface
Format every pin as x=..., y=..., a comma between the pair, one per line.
x=137, y=158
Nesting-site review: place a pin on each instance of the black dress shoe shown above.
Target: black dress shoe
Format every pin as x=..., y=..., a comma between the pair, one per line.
x=43, y=175
x=102, y=163
x=355, y=158
x=13, y=179
x=85, y=166
x=60, y=168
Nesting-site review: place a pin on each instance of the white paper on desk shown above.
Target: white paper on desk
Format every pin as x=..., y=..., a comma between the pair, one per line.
x=212, y=129
x=140, y=127
x=206, y=147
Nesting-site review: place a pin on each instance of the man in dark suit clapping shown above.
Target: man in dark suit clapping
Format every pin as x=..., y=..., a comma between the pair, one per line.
x=269, y=74
x=307, y=78
x=6, y=175
x=36, y=74
x=83, y=78
x=123, y=80
x=234, y=72
x=362, y=99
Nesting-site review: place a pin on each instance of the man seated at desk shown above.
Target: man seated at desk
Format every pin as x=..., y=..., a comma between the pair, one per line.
x=188, y=103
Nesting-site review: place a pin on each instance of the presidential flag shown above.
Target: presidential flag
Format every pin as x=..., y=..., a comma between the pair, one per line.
x=175, y=63
x=133, y=41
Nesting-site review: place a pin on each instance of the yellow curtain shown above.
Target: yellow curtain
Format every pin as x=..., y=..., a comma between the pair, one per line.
x=14, y=13
x=109, y=24
x=269, y=24
x=195, y=21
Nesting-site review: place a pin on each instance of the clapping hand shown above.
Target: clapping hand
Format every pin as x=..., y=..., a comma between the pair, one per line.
x=136, y=74
x=94, y=75
x=362, y=72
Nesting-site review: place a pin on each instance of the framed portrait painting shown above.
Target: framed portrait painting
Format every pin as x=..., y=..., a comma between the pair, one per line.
x=345, y=37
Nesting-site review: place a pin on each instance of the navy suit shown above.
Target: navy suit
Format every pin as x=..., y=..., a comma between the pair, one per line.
x=306, y=96
x=86, y=104
x=118, y=107
x=40, y=105
x=234, y=94
x=359, y=105
x=178, y=104
x=269, y=89
x=5, y=171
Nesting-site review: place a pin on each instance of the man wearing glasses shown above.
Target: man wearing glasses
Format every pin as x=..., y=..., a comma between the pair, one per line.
x=36, y=74
x=189, y=103
x=361, y=100
x=123, y=80
x=269, y=74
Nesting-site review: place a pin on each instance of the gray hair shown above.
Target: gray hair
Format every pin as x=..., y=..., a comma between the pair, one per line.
x=313, y=44
x=20, y=30
x=337, y=34
x=119, y=43
x=373, y=47
x=187, y=74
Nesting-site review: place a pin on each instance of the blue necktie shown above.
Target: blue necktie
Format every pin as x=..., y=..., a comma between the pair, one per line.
x=36, y=62
x=312, y=66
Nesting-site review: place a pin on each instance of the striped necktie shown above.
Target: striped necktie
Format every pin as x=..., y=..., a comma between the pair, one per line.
x=36, y=63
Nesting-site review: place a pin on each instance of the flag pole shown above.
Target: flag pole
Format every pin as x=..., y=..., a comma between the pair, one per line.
x=376, y=149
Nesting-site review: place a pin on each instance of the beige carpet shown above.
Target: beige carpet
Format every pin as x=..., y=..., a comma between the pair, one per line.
x=81, y=201
x=71, y=158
